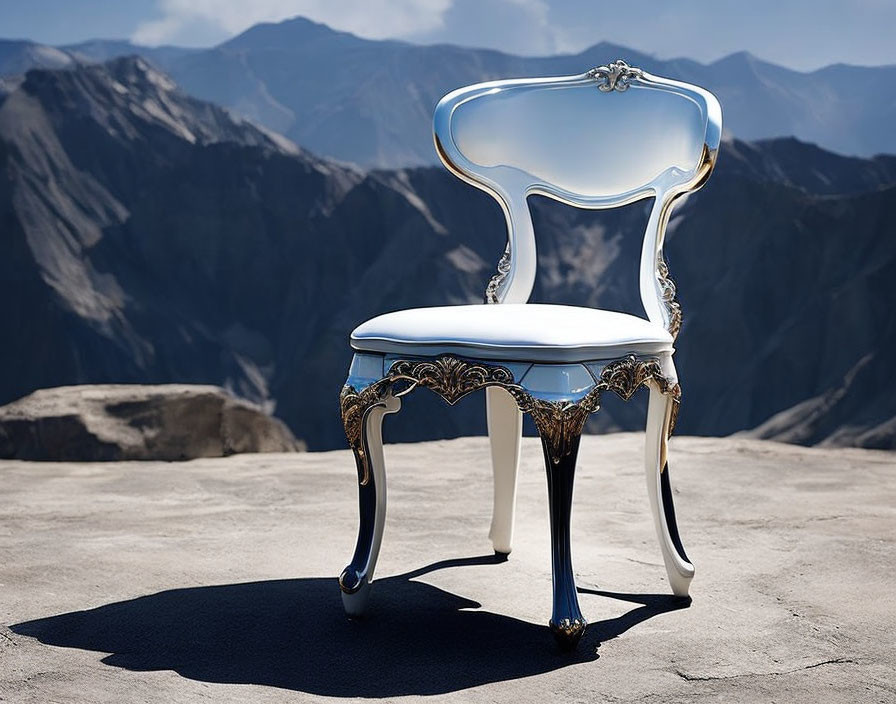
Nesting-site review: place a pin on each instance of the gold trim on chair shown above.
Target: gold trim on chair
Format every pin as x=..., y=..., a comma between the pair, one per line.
x=452, y=378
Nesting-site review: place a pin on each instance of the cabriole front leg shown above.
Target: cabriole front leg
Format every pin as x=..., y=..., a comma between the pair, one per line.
x=560, y=428
x=362, y=415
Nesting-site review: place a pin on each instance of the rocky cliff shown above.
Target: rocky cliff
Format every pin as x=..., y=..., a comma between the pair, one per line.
x=149, y=237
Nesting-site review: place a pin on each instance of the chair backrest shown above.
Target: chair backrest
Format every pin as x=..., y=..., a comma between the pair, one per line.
x=602, y=139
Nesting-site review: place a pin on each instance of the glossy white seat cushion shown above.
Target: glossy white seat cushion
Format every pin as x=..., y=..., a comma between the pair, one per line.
x=525, y=332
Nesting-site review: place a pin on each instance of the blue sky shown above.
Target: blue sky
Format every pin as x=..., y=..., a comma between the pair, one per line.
x=803, y=34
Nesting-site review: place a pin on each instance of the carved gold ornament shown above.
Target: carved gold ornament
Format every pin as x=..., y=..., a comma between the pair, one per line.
x=559, y=423
x=354, y=406
x=667, y=287
x=450, y=377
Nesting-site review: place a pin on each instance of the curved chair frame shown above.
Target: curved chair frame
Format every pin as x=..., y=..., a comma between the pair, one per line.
x=558, y=397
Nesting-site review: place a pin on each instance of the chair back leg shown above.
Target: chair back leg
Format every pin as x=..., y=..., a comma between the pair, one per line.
x=505, y=426
x=659, y=490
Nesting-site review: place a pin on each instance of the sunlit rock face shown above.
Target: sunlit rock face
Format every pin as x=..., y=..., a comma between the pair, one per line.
x=110, y=422
x=149, y=237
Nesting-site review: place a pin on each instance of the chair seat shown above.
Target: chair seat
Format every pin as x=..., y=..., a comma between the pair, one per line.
x=512, y=332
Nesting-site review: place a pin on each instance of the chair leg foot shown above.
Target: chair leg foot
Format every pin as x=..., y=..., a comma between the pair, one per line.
x=355, y=602
x=679, y=568
x=568, y=632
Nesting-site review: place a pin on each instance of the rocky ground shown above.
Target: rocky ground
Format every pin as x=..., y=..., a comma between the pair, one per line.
x=214, y=580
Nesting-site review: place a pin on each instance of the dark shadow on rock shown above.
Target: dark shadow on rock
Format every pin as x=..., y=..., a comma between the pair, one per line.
x=652, y=605
x=292, y=634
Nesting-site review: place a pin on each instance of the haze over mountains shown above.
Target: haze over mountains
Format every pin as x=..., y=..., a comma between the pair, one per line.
x=151, y=237
x=370, y=102
x=17, y=56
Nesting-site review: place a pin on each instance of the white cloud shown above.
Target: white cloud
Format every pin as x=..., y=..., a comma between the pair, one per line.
x=514, y=26
x=376, y=19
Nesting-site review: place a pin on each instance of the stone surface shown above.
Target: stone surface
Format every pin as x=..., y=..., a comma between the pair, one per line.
x=215, y=580
x=137, y=422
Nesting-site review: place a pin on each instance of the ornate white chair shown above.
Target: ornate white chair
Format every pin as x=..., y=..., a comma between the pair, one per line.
x=602, y=139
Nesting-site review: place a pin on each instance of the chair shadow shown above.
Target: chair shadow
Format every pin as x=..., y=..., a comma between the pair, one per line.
x=652, y=605
x=292, y=634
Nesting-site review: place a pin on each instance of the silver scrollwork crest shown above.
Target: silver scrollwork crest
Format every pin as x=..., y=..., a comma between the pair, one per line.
x=615, y=76
x=494, y=286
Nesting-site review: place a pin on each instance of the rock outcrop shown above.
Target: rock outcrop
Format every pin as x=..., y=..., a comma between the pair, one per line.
x=133, y=422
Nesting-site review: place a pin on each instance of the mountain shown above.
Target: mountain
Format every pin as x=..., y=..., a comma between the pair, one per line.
x=149, y=237
x=104, y=49
x=137, y=245
x=17, y=56
x=370, y=102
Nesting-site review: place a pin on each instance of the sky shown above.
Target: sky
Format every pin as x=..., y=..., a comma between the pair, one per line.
x=801, y=34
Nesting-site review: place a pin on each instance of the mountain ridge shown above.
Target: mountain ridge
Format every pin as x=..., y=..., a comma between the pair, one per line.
x=370, y=101
x=177, y=243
